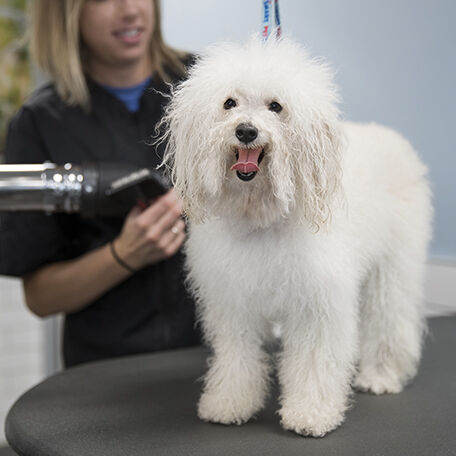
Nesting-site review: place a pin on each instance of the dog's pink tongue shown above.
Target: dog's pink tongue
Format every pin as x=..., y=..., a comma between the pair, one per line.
x=247, y=161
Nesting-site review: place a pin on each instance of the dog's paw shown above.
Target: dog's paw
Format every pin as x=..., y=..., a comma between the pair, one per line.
x=378, y=382
x=312, y=421
x=217, y=409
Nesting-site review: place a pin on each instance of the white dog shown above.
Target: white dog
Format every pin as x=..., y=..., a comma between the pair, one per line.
x=301, y=220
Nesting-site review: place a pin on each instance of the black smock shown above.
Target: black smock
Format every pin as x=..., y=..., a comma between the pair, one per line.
x=149, y=311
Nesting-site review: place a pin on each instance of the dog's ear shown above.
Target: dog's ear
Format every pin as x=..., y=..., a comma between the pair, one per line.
x=190, y=158
x=318, y=169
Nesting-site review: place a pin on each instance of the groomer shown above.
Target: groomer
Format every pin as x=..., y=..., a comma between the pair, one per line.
x=118, y=281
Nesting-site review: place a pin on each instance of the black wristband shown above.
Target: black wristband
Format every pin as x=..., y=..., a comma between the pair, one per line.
x=119, y=260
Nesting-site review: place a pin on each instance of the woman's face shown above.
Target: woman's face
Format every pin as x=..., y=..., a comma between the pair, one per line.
x=117, y=33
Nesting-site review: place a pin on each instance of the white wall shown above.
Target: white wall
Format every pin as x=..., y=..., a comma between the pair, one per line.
x=440, y=288
x=22, y=347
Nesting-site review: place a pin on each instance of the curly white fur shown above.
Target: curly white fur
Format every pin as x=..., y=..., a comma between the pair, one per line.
x=328, y=240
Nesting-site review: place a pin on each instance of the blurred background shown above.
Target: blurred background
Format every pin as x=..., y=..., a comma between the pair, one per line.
x=395, y=64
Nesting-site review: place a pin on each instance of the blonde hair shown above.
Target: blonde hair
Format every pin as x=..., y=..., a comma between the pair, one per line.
x=56, y=48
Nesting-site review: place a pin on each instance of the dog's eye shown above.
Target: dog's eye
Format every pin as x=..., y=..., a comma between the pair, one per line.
x=230, y=103
x=275, y=107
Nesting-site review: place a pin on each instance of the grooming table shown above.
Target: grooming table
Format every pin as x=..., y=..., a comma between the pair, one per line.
x=146, y=405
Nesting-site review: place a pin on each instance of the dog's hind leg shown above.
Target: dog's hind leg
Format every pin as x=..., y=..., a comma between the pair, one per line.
x=392, y=325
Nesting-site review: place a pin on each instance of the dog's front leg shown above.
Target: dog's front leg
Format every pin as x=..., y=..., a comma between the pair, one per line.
x=317, y=363
x=236, y=385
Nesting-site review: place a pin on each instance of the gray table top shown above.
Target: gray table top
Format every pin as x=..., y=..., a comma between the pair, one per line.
x=146, y=405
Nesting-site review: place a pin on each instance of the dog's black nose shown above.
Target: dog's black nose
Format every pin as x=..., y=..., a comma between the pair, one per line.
x=246, y=132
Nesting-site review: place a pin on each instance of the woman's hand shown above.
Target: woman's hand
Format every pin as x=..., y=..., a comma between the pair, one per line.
x=153, y=234
x=146, y=237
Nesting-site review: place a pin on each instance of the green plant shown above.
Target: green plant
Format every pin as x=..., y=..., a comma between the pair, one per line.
x=15, y=74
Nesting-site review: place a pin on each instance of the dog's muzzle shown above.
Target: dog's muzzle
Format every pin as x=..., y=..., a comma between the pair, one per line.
x=248, y=158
